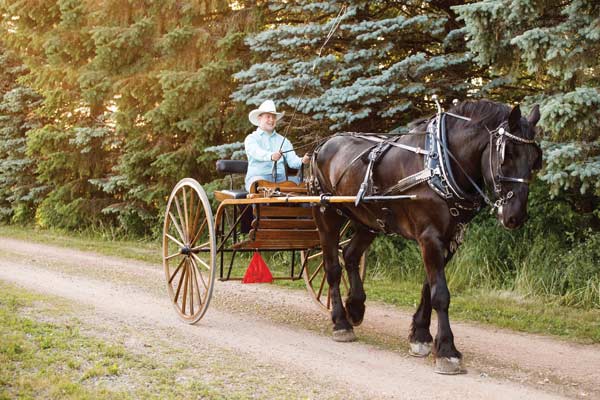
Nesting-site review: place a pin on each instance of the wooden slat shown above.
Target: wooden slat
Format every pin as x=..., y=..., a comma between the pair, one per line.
x=284, y=234
x=284, y=223
x=276, y=211
x=277, y=244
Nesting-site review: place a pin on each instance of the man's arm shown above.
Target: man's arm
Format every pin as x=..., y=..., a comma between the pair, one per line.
x=291, y=157
x=254, y=151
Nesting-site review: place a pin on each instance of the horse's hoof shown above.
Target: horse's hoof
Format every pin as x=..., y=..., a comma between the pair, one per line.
x=352, y=321
x=448, y=366
x=344, y=335
x=355, y=312
x=419, y=349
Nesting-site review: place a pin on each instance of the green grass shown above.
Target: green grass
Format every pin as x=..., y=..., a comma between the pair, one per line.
x=141, y=250
x=61, y=357
x=532, y=314
x=501, y=309
x=53, y=360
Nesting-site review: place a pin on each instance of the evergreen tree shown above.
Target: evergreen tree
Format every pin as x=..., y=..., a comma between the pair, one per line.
x=373, y=74
x=75, y=144
x=548, y=50
x=172, y=97
x=19, y=192
x=132, y=92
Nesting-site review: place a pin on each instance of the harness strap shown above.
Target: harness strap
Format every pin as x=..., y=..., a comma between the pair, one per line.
x=358, y=157
x=458, y=116
x=417, y=150
x=374, y=156
x=410, y=181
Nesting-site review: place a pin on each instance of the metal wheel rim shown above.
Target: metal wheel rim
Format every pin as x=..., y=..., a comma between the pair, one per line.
x=189, y=226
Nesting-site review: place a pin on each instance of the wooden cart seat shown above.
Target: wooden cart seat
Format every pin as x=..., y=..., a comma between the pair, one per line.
x=288, y=226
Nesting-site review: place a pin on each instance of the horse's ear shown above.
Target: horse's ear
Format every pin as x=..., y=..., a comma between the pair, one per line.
x=534, y=115
x=514, y=118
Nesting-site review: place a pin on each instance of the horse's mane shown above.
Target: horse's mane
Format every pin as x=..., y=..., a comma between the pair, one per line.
x=482, y=112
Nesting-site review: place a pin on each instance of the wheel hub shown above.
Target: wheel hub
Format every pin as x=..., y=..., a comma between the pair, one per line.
x=186, y=250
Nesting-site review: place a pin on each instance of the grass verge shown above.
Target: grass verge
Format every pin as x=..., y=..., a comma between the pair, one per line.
x=54, y=360
x=491, y=307
x=501, y=309
x=47, y=352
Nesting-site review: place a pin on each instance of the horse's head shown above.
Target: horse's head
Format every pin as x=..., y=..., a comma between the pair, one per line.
x=513, y=158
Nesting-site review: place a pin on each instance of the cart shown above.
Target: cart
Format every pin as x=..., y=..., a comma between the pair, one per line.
x=200, y=246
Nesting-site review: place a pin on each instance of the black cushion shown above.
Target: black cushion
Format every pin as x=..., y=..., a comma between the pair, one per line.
x=232, y=166
x=235, y=194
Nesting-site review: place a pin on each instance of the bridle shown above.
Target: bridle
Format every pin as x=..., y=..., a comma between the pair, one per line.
x=501, y=136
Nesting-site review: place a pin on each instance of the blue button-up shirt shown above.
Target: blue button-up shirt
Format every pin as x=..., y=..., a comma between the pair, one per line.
x=259, y=147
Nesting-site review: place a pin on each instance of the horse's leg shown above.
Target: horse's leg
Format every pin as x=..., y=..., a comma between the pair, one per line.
x=329, y=224
x=355, y=302
x=448, y=358
x=420, y=338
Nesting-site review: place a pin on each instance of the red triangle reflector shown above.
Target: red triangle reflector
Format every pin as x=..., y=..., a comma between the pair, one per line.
x=258, y=271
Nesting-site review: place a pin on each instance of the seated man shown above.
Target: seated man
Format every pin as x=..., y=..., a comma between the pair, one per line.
x=263, y=147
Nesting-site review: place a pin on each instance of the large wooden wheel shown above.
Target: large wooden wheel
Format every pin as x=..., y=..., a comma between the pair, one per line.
x=315, y=277
x=189, y=250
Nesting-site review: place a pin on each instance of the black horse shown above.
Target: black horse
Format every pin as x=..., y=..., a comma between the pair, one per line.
x=489, y=148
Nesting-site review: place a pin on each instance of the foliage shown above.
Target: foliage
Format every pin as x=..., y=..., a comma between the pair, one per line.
x=19, y=191
x=548, y=50
x=132, y=92
x=370, y=74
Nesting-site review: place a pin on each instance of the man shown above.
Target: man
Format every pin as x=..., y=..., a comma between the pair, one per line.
x=264, y=146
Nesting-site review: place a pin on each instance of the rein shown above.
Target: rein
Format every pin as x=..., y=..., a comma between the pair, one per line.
x=336, y=24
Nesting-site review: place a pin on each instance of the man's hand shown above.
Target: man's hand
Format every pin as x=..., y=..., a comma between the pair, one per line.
x=306, y=159
x=276, y=156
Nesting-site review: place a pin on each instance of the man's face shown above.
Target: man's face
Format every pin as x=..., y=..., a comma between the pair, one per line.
x=267, y=122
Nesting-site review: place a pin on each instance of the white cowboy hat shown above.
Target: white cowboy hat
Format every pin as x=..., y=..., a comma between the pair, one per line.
x=266, y=107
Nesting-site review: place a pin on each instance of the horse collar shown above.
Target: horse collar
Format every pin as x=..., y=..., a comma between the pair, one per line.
x=438, y=162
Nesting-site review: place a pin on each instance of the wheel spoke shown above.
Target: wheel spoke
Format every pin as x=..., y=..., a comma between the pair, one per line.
x=176, y=270
x=177, y=228
x=191, y=216
x=191, y=280
x=176, y=298
x=172, y=256
x=201, y=261
x=200, y=246
x=200, y=273
x=185, y=213
x=321, y=288
x=175, y=240
x=344, y=242
x=316, y=272
x=345, y=229
x=179, y=214
x=185, y=288
x=195, y=280
x=196, y=218
x=200, y=230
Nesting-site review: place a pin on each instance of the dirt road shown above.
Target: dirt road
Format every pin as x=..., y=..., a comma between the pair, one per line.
x=282, y=334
